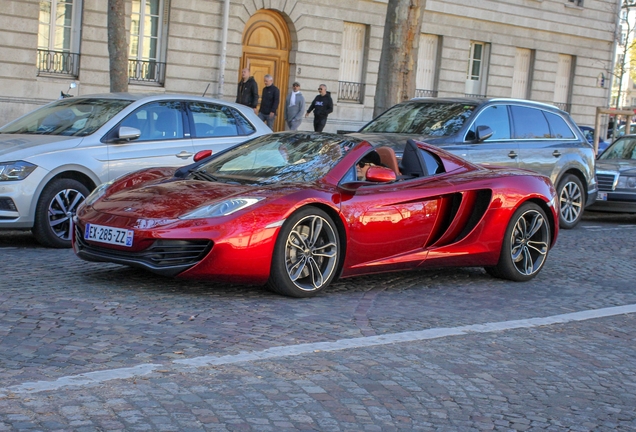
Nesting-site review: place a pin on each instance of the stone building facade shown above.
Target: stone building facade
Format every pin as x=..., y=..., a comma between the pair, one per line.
x=553, y=51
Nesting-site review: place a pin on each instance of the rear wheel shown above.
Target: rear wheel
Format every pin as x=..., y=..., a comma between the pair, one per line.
x=55, y=210
x=571, y=199
x=306, y=254
x=525, y=246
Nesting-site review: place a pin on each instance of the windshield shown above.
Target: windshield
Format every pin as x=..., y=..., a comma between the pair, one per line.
x=278, y=158
x=70, y=117
x=422, y=118
x=621, y=149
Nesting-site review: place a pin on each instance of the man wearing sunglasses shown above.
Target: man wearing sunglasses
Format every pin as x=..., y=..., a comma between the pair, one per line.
x=322, y=106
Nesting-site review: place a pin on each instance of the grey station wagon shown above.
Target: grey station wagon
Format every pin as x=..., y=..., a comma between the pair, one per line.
x=502, y=132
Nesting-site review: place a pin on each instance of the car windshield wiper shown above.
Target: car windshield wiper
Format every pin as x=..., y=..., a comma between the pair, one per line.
x=203, y=175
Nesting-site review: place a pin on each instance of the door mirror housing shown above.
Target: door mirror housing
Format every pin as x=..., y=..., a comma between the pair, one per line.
x=483, y=133
x=127, y=133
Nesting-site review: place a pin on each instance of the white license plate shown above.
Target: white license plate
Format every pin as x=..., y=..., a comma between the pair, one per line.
x=602, y=196
x=108, y=235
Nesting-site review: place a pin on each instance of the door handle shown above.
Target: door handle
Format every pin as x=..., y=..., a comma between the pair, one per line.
x=184, y=155
x=556, y=153
x=512, y=154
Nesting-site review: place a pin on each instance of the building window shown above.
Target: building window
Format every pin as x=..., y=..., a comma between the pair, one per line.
x=427, y=66
x=59, y=37
x=522, y=75
x=352, y=63
x=577, y=2
x=148, y=33
x=477, y=76
x=563, y=81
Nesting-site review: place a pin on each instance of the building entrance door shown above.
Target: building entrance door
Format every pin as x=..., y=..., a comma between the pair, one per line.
x=266, y=46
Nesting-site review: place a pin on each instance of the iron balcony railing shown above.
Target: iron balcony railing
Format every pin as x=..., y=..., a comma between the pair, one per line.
x=58, y=63
x=350, y=91
x=477, y=96
x=148, y=71
x=425, y=93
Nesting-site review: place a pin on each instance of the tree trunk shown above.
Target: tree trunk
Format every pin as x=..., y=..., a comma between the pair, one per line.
x=398, y=61
x=117, y=46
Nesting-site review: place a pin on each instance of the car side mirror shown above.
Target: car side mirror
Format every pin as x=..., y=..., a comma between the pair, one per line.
x=378, y=174
x=483, y=133
x=127, y=133
x=202, y=155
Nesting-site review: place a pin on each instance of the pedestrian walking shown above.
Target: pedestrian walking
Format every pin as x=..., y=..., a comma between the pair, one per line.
x=269, y=102
x=294, y=107
x=247, y=92
x=322, y=106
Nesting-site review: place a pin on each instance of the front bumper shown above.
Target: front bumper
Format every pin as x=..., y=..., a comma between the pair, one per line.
x=18, y=199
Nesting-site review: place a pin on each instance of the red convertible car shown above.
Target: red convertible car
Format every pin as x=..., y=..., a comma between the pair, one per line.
x=296, y=210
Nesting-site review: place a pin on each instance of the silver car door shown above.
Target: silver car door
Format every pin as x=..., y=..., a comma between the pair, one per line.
x=162, y=142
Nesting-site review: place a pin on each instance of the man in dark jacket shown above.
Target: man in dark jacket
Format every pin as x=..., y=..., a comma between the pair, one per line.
x=247, y=93
x=269, y=102
x=322, y=106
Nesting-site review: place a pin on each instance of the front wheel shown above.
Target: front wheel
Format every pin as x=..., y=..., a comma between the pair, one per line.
x=306, y=254
x=525, y=246
x=55, y=210
x=571, y=199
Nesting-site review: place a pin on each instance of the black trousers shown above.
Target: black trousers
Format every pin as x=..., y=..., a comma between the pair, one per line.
x=319, y=123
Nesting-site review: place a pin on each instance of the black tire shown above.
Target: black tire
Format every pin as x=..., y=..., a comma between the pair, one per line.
x=525, y=246
x=55, y=210
x=306, y=254
x=572, y=201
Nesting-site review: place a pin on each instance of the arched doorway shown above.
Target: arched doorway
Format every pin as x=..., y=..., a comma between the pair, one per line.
x=266, y=46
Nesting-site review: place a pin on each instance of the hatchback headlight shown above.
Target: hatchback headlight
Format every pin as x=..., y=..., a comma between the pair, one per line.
x=223, y=208
x=626, y=182
x=17, y=170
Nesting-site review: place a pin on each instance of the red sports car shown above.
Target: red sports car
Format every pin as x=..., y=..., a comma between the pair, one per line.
x=294, y=211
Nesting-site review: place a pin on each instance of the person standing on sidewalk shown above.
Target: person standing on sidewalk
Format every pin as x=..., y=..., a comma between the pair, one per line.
x=294, y=107
x=269, y=102
x=322, y=106
x=247, y=92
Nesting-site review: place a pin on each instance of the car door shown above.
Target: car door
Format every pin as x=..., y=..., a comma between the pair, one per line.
x=390, y=224
x=544, y=139
x=163, y=140
x=217, y=127
x=499, y=149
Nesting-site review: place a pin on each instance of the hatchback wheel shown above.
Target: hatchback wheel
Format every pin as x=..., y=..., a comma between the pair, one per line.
x=525, y=246
x=306, y=254
x=571, y=198
x=54, y=213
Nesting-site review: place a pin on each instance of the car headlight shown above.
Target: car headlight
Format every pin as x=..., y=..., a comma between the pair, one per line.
x=626, y=182
x=17, y=170
x=97, y=193
x=223, y=208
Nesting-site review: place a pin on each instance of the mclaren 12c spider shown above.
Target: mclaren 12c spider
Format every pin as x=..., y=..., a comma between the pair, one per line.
x=296, y=210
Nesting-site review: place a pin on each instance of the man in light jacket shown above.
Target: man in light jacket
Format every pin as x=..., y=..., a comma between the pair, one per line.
x=294, y=107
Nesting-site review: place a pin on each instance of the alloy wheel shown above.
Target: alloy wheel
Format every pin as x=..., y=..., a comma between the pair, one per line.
x=571, y=201
x=61, y=210
x=311, y=253
x=529, y=242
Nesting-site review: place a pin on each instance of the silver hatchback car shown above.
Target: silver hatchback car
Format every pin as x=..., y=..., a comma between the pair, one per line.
x=51, y=158
x=502, y=132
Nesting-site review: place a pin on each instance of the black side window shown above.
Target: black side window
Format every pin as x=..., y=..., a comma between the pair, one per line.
x=558, y=127
x=495, y=117
x=529, y=123
x=433, y=163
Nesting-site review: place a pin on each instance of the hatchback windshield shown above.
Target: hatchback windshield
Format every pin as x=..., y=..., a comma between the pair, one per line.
x=422, y=118
x=279, y=158
x=71, y=117
x=621, y=149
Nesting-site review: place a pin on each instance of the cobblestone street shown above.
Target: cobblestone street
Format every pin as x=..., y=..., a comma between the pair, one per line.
x=102, y=347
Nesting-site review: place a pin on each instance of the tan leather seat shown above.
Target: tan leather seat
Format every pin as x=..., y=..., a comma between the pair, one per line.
x=388, y=159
